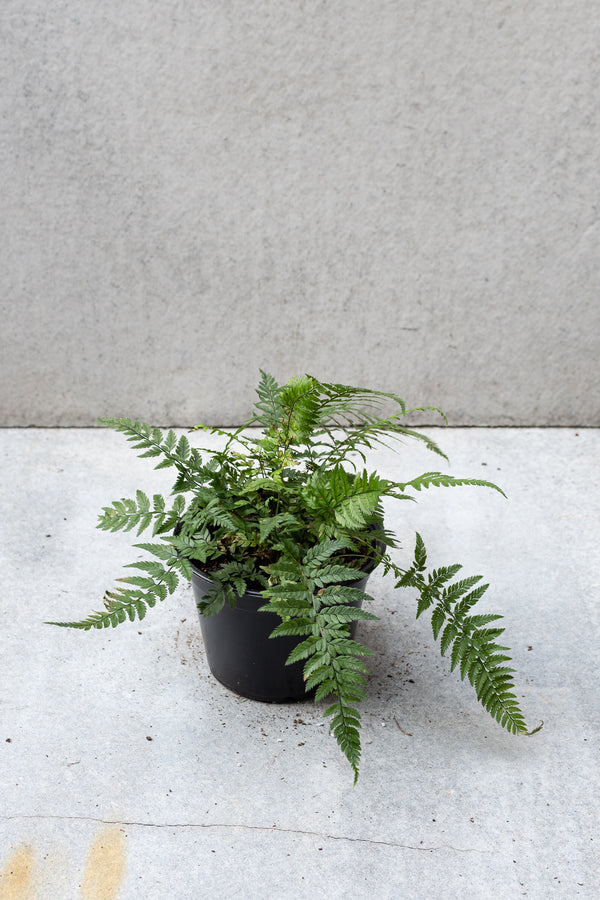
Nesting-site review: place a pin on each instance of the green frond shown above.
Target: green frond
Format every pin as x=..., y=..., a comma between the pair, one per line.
x=269, y=402
x=131, y=603
x=341, y=594
x=213, y=602
x=300, y=401
x=313, y=644
x=437, y=479
x=161, y=551
x=154, y=444
x=333, y=662
x=126, y=514
x=338, y=614
x=332, y=574
x=349, y=500
x=344, y=405
x=320, y=553
x=472, y=645
x=375, y=431
x=300, y=627
x=275, y=523
x=420, y=555
x=344, y=727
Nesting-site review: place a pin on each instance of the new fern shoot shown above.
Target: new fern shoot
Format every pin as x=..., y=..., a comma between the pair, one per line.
x=289, y=508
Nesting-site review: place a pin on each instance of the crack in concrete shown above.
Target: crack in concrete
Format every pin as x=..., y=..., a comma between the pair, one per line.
x=272, y=829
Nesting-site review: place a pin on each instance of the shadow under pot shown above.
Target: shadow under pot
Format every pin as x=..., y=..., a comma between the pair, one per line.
x=240, y=653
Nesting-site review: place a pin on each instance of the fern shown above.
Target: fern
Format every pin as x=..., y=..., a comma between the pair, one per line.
x=472, y=643
x=343, y=406
x=132, y=603
x=295, y=514
x=229, y=582
x=269, y=402
x=437, y=479
x=300, y=402
x=155, y=444
x=373, y=432
x=346, y=499
x=311, y=602
x=126, y=514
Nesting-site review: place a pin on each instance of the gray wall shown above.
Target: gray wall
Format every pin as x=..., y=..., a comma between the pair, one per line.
x=398, y=194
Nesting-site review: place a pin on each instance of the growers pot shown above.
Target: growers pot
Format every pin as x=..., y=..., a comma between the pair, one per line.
x=240, y=653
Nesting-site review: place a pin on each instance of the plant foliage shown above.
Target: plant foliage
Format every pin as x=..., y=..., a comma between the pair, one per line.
x=293, y=512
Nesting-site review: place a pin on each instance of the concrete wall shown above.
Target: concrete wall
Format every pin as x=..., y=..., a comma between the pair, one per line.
x=398, y=194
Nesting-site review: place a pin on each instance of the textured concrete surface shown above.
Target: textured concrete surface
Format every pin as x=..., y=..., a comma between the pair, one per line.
x=397, y=194
x=128, y=772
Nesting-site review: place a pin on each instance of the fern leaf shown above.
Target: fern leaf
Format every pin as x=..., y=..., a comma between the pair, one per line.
x=344, y=727
x=473, y=645
x=349, y=500
x=420, y=554
x=437, y=479
x=327, y=686
x=132, y=601
x=143, y=503
x=183, y=448
x=332, y=574
x=126, y=514
x=275, y=523
x=305, y=649
x=297, y=628
x=341, y=594
x=269, y=402
x=299, y=399
x=153, y=568
x=341, y=614
x=213, y=602
x=161, y=551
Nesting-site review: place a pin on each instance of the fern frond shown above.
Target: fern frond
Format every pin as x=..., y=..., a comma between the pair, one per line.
x=341, y=594
x=299, y=627
x=229, y=583
x=216, y=515
x=154, y=444
x=343, y=404
x=349, y=500
x=300, y=402
x=437, y=479
x=336, y=615
x=269, y=402
x=473, y=646
x=333, y=663
x=275, y=523
x=132, y=603
x=374, y=431
x=125, y=514
x=318, y=554
x=345, y=725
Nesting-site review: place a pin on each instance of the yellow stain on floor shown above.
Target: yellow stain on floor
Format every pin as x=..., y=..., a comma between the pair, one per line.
x=17, y=878
x=105, y=866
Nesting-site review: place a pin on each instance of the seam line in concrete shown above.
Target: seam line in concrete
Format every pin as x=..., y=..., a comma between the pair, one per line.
x=272, y=829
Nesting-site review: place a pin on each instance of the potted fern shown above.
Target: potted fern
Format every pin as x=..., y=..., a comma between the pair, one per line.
x=278, y=534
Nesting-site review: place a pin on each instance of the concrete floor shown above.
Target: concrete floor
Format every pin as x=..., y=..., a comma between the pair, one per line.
x=128, y=772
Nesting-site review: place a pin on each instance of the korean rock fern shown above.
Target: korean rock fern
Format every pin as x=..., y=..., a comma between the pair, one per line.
x=288, y=508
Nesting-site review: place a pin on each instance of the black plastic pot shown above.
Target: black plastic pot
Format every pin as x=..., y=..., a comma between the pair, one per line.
x=240, y=653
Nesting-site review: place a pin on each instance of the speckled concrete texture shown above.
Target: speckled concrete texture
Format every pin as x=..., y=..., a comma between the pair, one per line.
x=401, y=195
x=127, y=771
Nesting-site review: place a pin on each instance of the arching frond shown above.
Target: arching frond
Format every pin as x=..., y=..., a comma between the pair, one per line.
x=473, y=645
